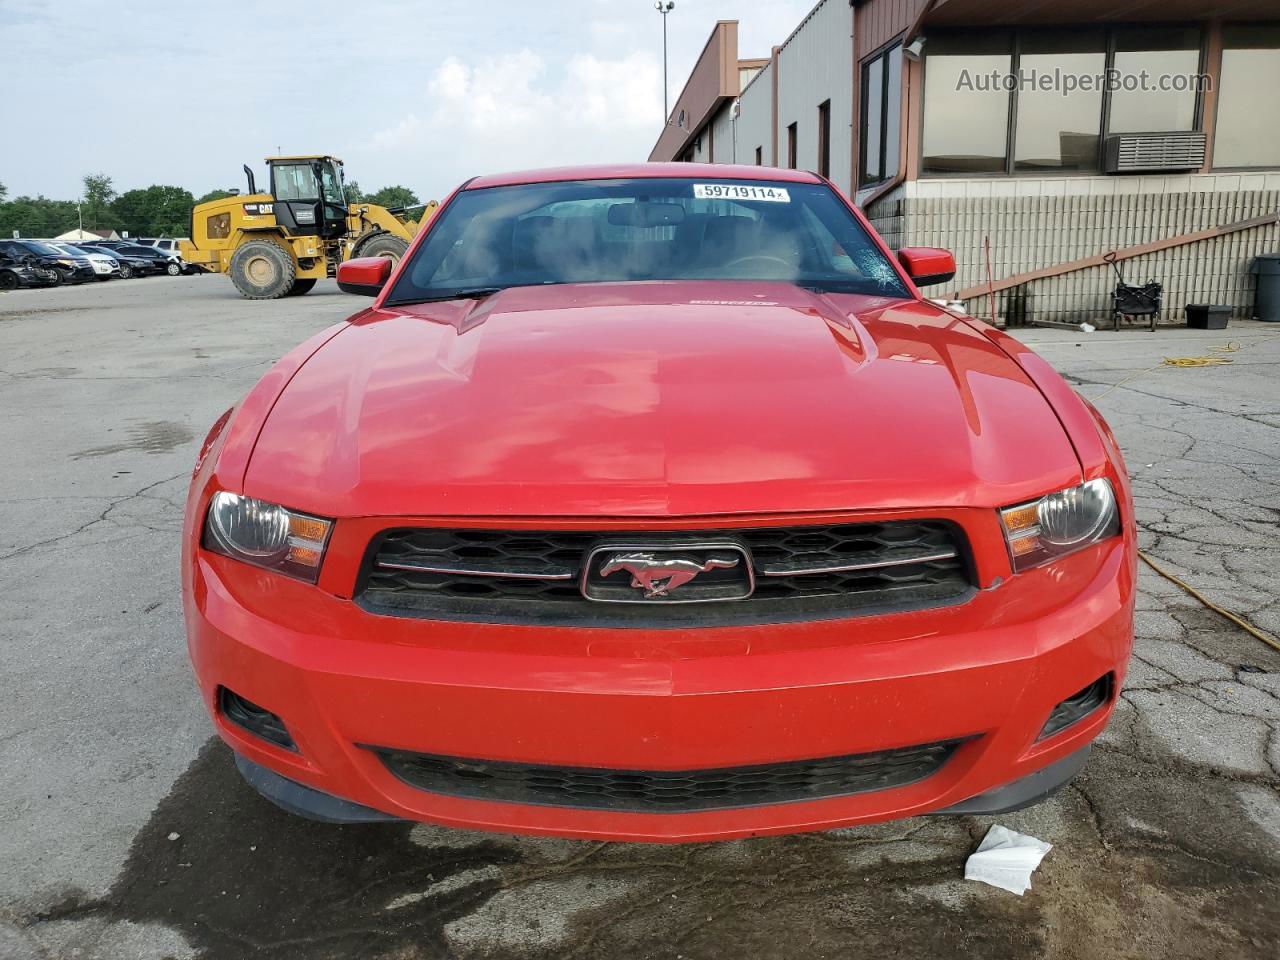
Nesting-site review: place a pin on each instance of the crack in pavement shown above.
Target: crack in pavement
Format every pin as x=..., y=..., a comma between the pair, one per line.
x=103, y=517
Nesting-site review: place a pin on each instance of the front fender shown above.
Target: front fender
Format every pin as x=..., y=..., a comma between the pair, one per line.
x=241, y=434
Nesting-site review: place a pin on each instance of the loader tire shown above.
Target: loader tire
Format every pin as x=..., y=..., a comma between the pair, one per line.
x=301, y=286
x=383, y=245
x=262, y=270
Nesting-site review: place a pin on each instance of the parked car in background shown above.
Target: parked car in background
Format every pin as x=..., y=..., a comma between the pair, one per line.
x=130, y=266
x=70, y=268
x=22, y=271
x=167, y=244
x=105, y=266
x=163, y=262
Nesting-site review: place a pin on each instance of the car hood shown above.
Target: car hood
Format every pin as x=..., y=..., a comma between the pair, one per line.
x=657, y=399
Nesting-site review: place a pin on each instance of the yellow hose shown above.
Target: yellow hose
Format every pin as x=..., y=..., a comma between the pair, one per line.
x=1242, y=624
x=1207, y=361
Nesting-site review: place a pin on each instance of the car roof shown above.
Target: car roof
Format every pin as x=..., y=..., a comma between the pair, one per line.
x=630, y=171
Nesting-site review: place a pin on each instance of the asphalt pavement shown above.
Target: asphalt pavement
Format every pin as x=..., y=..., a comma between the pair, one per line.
x=125, y=831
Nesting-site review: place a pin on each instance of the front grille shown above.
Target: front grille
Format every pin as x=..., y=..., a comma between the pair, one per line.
x=662, y=791
x=786, y=573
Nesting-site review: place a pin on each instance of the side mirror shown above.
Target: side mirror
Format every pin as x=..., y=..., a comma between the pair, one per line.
x=364, y=276
x=927, y=265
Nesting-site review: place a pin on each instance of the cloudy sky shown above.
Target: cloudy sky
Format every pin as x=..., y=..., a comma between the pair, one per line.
x=423, y=93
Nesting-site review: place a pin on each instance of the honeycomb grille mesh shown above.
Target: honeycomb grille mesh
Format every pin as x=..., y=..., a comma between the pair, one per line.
x=663, y=791
x=512, y=575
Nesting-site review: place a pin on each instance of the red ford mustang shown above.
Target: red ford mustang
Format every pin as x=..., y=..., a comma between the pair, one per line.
x=654, y=503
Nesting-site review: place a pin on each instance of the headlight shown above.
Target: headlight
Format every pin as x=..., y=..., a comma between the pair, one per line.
x=266, y=535
x=1060, y=523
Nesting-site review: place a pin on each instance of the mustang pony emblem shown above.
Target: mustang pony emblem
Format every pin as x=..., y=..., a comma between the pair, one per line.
x=658, y=577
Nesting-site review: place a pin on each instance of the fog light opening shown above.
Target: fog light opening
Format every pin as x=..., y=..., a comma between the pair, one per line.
x=257, y=720
x=1078, y=706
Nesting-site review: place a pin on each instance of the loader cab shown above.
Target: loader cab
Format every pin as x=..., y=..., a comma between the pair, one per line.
x=309, y=200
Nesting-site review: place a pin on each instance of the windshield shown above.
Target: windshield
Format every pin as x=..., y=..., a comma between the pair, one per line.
x=294, y=181
x=646, y=229
x=44, y=249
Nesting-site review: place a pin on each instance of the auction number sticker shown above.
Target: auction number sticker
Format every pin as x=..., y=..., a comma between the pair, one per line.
x=735, y=191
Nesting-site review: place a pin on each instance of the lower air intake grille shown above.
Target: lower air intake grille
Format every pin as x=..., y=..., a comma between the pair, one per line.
x=1078, y=706
x=661, y=791
x=759, y=574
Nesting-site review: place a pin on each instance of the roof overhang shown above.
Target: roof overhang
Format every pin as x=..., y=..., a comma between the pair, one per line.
x=974, y=13
x=713, y=80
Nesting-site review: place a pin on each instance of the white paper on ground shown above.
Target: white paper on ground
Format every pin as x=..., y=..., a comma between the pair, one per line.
x=1005, y=859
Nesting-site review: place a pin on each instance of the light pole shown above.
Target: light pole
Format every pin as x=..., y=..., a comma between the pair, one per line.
x=664, y=7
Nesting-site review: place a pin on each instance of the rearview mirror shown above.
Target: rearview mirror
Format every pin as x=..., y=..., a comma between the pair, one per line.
x=645, y=214
x=927, y=265
x=364, y=276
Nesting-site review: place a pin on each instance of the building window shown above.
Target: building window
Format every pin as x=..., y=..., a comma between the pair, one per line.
x=1248, y=132
x=996, y=102
x=1058, y=130
x=1160, y=51
x=881, y=114
x=824, y=138
x=791, y=145
x=759, y=156
x=966, y=113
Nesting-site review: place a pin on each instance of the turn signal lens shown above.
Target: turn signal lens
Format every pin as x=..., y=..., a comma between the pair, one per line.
x=266, y=535
x=1060, y=523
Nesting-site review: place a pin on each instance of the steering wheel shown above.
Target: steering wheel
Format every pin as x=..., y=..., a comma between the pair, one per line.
x=759, y=256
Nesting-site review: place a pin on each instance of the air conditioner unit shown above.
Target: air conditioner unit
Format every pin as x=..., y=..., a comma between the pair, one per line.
x=1144, y=152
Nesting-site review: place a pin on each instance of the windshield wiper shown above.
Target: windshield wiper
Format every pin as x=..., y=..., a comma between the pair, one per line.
x=469, y=293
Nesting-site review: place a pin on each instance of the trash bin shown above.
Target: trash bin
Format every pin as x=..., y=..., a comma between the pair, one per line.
x=1266, y=268
x=1208, y=316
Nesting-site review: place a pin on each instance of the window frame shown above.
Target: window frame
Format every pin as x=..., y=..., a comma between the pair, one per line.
x=882, y=55
x=793, y=144
x=824, y=138
x=1015, y=54
x=1217, y=114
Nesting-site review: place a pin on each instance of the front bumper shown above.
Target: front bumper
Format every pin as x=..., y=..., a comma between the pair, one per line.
x=38, y=278
x=304, y=801
x=989, y=670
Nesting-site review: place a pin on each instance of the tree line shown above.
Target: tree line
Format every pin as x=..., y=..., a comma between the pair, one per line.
x=156, y=211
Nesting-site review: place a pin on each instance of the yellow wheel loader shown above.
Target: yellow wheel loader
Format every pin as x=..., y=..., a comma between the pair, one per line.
x=278, y=243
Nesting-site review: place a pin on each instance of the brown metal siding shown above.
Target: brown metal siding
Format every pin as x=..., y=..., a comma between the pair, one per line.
x=715, y=75
x=879, y=21
x=991, y=12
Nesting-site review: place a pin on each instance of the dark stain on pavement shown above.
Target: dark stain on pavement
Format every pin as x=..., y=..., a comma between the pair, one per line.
x=1146, y=864
x=153, y=436
x=244, y=879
